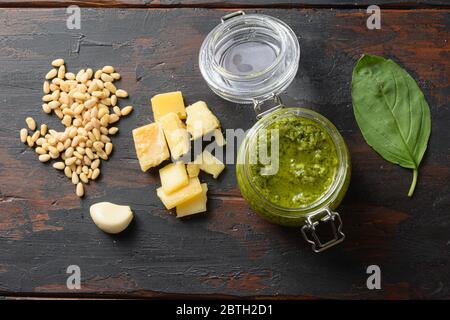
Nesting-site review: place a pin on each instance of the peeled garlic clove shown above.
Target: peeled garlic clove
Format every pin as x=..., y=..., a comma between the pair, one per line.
x=110, y=217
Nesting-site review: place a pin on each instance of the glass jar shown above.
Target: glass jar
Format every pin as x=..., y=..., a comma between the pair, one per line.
x=252, y=59
x=249, y=57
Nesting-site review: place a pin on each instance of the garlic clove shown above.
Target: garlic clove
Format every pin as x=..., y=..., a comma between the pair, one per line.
x=110, y=217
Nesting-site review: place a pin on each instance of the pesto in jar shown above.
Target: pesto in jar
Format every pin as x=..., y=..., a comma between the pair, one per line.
x=308, y=163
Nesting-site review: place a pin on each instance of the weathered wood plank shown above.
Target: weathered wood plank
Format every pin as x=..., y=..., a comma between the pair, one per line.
x=226, y=3
x=44, y=227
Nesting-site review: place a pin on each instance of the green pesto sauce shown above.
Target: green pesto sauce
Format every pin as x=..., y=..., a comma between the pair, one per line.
x=307, y=164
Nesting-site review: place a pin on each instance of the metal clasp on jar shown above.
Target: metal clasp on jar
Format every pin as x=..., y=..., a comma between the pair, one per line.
x=312, y=222
x=266, y=106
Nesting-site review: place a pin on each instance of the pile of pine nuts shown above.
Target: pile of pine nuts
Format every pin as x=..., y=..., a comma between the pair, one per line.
x=86, y=103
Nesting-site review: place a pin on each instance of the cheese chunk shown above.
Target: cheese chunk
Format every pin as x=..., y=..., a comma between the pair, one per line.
x=110, y=217
x=210, y=164
x=200, y=120
x=173, y=177
x=168, y=102
x=193, y=169
x=192, y=189
x=151, y=147
x=195, y=205
x=218, y=136
x=176, y=135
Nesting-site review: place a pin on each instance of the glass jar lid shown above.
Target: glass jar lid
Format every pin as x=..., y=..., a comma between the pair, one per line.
x=249, y=58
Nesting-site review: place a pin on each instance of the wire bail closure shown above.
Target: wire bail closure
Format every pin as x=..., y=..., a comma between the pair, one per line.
x=258, y=105
x=310, y=227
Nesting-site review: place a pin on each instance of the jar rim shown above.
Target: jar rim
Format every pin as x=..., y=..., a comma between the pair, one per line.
x=211, y=70
x=274, y=26
x=339, y=179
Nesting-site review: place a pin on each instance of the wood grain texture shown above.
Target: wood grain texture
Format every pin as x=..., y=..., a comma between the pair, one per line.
x=230, y=251
x=226, y=3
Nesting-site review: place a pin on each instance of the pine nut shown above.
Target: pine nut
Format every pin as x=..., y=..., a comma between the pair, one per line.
x=68, y=172
x=60, y=147
x=108, y=148
x=78, y=155
x=57, y=62
x=75, y=178
x=104, y=130
x=98, y=74
x=58, y=113
x=108, y=69
x=51, y=74
x=59, y=165
x=40, y=141
x=67, y=120
x=35, y=136
x=90, y=103
x=79, y=190
x=83, y=177
x=113, y=100
x=70, y=161
x=44, y=129
x=102, y=154
x=77, y=122
x=95, y=164
x=46, y=108
x=55, y=95
x=113, y=118
x=46, y=87
x=112, y=88
x=105, y=139
x=106, y=77
x=23, y=135
x=95, y=173
x=53, y=87
x=96, y=134
x=121, y=93
x=53, y=154
x=113, y=130
x=115, y=75
x=87, y=161
x=104, y=121
x=30, y=142
x=61, y=72
x=126, y=111
x=44, y=157
x=40, y=150
x=31, y=123
x=116, y=110
x=70, y=76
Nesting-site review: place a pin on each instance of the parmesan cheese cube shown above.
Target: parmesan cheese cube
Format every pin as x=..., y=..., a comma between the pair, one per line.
x=151, y=147
x=210, y=164
x=192, y=189
x=173, y=177
x=193, y=170
x=176, y=135
x=168, y=102
x=195, y=205
x=200, y=120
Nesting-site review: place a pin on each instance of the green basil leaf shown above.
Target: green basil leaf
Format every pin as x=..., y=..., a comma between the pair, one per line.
x=391, y=112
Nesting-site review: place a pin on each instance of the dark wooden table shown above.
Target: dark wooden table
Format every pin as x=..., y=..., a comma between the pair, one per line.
x=230, y=251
